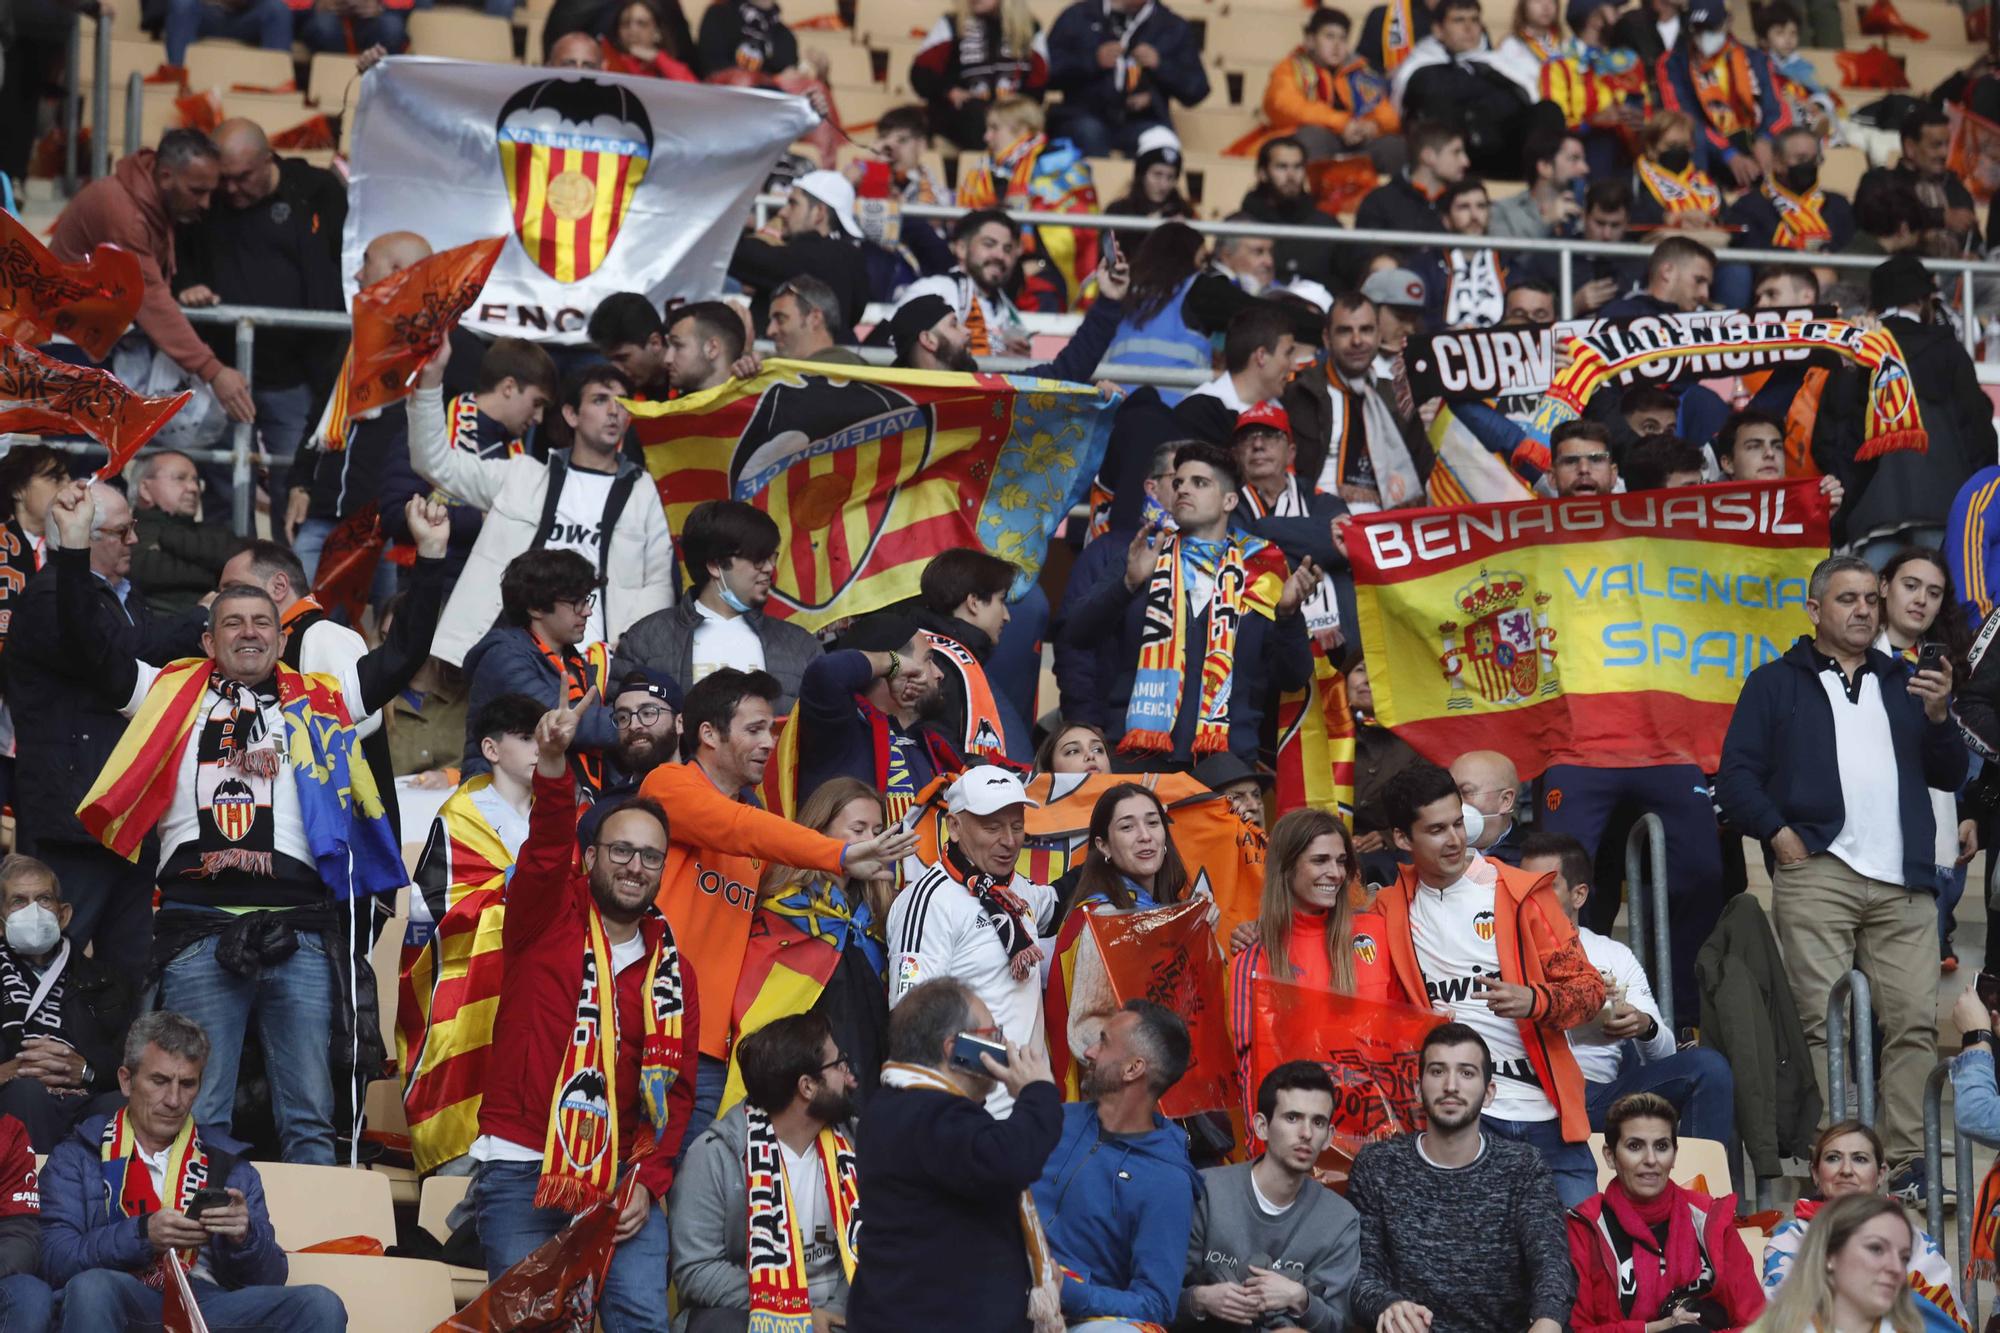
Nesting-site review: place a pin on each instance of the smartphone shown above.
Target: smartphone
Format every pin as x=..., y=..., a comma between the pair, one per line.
x=205, y=1199
x=1987, y=987
x=1112, y=259
x=1930, y=657
x=966, y=1050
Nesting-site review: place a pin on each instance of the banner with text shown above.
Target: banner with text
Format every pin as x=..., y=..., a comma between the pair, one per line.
x=1520, y=362
x=1613, y=630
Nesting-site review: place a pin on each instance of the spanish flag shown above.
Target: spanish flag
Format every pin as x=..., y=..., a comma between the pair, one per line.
x=1316, y=742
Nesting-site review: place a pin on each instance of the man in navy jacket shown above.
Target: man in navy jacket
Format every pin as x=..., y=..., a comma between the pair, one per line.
x=1827, y=761
x=1118, y=65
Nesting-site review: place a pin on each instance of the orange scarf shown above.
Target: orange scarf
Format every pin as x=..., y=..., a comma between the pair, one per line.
x=1801, y=219
x=1690, y=192
x=1721, y=86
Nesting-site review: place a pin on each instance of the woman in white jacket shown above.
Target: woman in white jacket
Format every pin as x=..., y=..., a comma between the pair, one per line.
x=588, y=498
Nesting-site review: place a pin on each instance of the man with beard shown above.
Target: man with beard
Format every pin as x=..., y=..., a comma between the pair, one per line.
x=647, y=713
x=590, y=1087
x=779, y=1165
x=1269, y=1240
x=704, y=342
x=1117, y=1195
x=1456, y=1221
x=868, y=710
x=709, y=881
x=1282, y=196
x=930, y=334
x=1351, y=443
x=1581, y=462
x=987, y=244
x=730, y=549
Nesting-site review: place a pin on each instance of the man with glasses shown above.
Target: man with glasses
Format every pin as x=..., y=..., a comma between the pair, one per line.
x=599, y=1013
x=646, y=712
x=730, y=550
x=779, y=1165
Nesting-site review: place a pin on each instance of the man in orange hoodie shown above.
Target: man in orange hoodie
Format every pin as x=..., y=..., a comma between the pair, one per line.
x=1491, y=946
x=720, y=842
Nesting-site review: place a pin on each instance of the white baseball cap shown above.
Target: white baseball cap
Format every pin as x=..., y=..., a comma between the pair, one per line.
x=985, y=790
x=836, y=192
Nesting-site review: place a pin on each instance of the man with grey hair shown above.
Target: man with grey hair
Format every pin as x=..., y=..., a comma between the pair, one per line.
x=127, y=1187
x=1827, y=762
x=805, y=315
x=65, y=727
x=178, y=556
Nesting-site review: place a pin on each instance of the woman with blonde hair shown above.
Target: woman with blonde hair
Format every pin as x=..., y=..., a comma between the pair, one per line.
x=1851, y=1273
x=846, y=915
x=1668, y=189
x=982, y=51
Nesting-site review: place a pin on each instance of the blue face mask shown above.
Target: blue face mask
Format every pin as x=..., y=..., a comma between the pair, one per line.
x=731, y=600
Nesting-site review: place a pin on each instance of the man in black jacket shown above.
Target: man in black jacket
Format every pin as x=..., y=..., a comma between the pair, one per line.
x=1282, y=196
x=1120, y=65
x=1408, y=202
x=178, y=556
x=1827, y=761
x=1452, y=76
x=822, y=239
x=63, y=1014
x=65, y=730
x=946, y=1180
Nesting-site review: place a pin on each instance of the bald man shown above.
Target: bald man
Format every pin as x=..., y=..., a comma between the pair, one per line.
x=64, y=729
x=273, y=238
x=1489, y=783
x=575, y=50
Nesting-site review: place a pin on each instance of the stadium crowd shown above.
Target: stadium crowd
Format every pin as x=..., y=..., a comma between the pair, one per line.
x=643, y=774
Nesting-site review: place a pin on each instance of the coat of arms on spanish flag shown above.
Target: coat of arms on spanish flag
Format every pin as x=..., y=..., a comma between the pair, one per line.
x=871, y=472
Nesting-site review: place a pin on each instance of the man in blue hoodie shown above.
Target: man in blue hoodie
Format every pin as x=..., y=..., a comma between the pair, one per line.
x=1118, y=1194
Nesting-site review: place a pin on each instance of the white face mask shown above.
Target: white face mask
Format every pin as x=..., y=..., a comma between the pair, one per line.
x=33, y=930
x=1475, y=823
x=1711, y=42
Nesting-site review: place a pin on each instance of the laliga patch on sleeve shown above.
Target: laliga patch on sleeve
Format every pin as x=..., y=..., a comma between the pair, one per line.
x=908, y=971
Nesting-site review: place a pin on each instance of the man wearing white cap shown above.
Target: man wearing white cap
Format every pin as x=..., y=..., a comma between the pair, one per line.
x=821, y=239
x=974, y=917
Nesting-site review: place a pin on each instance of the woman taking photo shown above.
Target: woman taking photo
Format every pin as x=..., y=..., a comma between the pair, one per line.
x=1851, y=1273
x=1652, y=1253
x=849, y=915
x=1847, y=1161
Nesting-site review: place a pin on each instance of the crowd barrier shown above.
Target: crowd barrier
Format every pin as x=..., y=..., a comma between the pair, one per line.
x=1961, y=1155
x=1646, y=902
x=1852, y=988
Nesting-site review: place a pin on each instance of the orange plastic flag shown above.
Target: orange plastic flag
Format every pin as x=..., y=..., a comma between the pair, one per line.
x=1169, y=956
x=91, y=303
x=554, y=1289
x=178, y=1311
x=40, y=395
x=401, y=321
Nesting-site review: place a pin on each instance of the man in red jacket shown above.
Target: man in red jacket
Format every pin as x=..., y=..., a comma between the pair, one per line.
x=591, y=1093
x=137, y=207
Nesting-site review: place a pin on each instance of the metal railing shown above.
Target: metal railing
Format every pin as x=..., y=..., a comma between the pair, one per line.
x=1852, y=988
x=100, y=104
x=1646, y=902
x=1961, y=1157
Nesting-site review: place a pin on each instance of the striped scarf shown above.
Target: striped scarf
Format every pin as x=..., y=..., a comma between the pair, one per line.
x=580, y=1158
x=780, y=1299
x=1801, y=221
x=1153, y=713
x=1399, y=34
x=1475, y=288
x=1726, y=89
x=1690, y=192
x=985, y=739
x=579, y=671
x=128, y=1185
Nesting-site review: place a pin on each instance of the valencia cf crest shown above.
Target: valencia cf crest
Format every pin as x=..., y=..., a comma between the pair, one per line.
x=1364, y=950
x=583, y=1119
x=1482, y=926
x=573, y=151
x=233, y=808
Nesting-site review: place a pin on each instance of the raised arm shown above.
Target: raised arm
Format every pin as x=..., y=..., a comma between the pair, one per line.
x=463, y=474
x=538, y=890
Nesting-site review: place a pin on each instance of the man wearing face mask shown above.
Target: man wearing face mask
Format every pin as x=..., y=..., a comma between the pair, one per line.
x=1729, y=89
x=1788, y=210
x=61, y=1014
x=1489, y=785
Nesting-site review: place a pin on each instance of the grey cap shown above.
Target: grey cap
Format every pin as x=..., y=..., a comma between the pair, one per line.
x=1394, y=286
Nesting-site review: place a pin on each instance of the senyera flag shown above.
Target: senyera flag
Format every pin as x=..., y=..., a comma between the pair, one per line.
x=91, y=303
x=871, y=472
x=1372, y=1052
x=40, y=395
x=399, y=323
x=1608, y=630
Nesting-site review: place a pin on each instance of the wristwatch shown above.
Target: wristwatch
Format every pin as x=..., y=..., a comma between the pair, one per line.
x=895, y=665
x=1980, y=1036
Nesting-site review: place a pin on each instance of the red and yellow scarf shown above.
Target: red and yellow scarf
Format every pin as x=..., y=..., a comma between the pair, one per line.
x=1017, y=159
x=780, y=1300
x=1690, y=192
x=1726, y=90
x=1801, y=219
x=580, y=1158
x=1153, y=712
x=129, y=1185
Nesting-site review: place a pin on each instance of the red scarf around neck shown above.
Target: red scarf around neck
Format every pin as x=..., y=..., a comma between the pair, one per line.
x=1657, y=1274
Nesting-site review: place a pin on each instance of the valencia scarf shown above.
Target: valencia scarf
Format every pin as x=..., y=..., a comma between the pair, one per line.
x=1649, y=1275
x=1044, y=1295
x=1726, y=89
x=345, y=824
x=1012, y=919
x=1018, y=160
x=1399, y=34
x=1688, y=192
x=985, y=738
x=580, y=1158
x=1379, y=475
x=579, y=672
x=780, y=1300
x=129, y=1185
x=1597, y=358
x=31, y=1006
x=1801, y=217
x=1128, y=73
x=1154, y=710
x=236, y=766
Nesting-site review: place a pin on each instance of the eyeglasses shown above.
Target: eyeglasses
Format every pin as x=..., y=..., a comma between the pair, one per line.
x=586, y=603
x=119, y=533
x=645, y=715
x=621, y=854
x=841, y=1061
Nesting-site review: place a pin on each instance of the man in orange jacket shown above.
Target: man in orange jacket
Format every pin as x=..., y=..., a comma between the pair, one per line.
x=722, y=839
x=1491, y=946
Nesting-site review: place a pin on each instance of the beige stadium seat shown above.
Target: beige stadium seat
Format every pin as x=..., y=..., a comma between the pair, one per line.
x=127, y=59
x=1207, y=133
x=441, y=1194
x=1928, y=66
x=1222, y=183
x=461, y=35
x=1843, y=170
x=901, y=53
x=1112, y=176
x=381, y=1295
x=311, y=1204
x=222, y=65
x=1697, y=1157
x=895, y=20
x=859, y=107
x=1250, y=42
x=383, y=1113
x=328, y=79
x=848, y=64
x=275, y=114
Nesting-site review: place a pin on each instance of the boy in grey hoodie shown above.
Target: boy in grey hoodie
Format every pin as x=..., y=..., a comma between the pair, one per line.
x=1271, y=1247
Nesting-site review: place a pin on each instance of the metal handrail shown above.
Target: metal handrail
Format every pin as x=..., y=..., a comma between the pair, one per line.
x=1648, y=898
x=1853, y=987
x=1961, y=1156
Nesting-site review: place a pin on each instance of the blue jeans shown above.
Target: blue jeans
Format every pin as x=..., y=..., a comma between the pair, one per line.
x=1095, y=136
x=1575, y=1173
x=293, y=1005
x=265, y=23
x=329, y=32
x=510, y=1227
x=1951, y=888
x=711, y=1076
x=1698, y=1082
x=1878, y=549
x=26, y=1304
x=105, y=1298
